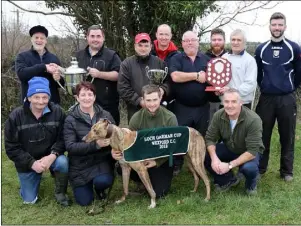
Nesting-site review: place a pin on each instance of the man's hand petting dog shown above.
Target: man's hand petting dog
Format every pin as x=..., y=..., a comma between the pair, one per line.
x=117, y=155
x=103, y=142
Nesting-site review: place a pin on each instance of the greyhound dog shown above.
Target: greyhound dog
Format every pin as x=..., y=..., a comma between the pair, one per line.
x=121, y=138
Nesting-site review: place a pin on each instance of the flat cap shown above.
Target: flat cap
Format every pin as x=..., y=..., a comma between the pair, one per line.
x=38, y=29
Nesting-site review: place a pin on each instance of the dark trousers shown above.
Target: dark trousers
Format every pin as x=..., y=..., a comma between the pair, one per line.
x=249, y=169
x=195, y=117
x=160, y=178
x=284, y=109
x=84, y=195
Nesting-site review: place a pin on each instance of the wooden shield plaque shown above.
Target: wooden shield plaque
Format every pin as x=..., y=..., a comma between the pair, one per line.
x=218, y=74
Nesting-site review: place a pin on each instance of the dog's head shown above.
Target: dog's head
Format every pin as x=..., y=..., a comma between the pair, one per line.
x=98, y=131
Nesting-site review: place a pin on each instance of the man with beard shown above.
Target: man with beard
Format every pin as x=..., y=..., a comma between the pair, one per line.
x=217, y=49
x=279, y=75
x=103, y=65
x=38, y=61
x=187, y=71
x=132, y=75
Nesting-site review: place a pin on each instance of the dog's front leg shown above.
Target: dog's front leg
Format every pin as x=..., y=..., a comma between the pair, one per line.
x=126, y=170
x=144, y=177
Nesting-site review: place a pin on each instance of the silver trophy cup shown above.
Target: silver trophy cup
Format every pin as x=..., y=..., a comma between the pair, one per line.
x=73, y=75
x=156, y=76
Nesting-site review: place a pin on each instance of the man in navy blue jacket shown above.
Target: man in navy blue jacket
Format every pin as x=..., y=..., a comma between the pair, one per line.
x=38, y=61
x=279, y=75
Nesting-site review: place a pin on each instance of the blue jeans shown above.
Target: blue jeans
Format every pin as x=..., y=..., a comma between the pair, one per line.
x=249, y=169
x=84, y=195
x=30, y=182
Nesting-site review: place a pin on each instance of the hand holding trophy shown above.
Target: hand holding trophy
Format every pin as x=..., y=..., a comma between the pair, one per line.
x=218, y=74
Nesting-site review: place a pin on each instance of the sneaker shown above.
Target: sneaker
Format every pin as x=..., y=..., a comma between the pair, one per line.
x=288, y=178
x=233, y=182
x=252, y=192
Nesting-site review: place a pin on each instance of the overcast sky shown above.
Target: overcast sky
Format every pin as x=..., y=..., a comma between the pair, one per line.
x=254, y=33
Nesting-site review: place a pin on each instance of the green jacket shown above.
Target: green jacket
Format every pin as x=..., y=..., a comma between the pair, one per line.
x=246, y=136
x=143, y=119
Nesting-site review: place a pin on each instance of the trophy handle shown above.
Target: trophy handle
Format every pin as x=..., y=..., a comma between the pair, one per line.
x=146, y=69
x=91, y=76
x=62, y=87
x=166, y=72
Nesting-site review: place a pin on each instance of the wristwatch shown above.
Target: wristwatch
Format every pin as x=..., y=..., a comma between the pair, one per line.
x=55, y=153
x=197, y=75
x=230, y=165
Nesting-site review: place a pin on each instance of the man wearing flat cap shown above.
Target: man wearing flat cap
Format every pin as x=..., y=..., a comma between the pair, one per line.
x=132, y=74
x=38, y=61
x=34, y=142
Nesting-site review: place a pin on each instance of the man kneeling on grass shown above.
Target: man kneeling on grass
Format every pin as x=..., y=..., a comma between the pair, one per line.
x=34, y=142
x=152, y=116
x=240, y=131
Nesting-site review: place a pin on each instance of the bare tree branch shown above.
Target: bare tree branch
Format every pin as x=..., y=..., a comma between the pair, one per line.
x=40, y=12
x=224, y=18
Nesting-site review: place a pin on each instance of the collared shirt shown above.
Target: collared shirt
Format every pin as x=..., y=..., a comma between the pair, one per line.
x=190, y=93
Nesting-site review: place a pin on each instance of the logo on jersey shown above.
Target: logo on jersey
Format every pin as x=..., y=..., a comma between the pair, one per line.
x=276, y=53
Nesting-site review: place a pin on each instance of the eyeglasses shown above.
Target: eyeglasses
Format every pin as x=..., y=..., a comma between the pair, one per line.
x=190, y=40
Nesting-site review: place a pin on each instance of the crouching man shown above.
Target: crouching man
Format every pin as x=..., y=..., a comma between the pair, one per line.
x=152, y=116
x=33, y=141
x=240, y=131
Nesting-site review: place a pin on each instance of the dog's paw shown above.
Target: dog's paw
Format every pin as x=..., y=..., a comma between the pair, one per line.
x=119, y=201
x=206, y=200
x=151, y=206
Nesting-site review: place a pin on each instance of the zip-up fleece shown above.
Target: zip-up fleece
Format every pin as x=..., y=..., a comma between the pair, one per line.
x=105, y=60
x=246, y=135
x=279, y=67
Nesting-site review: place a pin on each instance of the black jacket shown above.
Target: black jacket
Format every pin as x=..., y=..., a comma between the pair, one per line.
x=86, y=161
x=29, y=64
x=132, y=77
x=105, y=60
x=28, y=139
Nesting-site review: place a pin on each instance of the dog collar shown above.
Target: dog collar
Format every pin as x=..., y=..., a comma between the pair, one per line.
x=109, y=131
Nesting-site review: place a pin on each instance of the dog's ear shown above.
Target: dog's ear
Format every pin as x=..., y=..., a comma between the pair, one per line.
x=107, y=121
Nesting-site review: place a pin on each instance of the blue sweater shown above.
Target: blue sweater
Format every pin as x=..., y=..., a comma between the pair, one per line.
x=279, y=67
x=29, y=64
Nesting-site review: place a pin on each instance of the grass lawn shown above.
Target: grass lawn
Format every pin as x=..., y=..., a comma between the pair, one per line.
x=277, y=202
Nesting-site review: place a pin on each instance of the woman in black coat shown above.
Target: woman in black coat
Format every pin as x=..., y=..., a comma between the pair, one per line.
x=90, y=164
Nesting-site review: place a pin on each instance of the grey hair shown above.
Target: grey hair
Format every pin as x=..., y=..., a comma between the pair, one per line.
x=232, y=90
x=239, y=32
x=187, y=32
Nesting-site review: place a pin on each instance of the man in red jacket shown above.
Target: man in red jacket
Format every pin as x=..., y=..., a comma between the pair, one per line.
x=163, y=47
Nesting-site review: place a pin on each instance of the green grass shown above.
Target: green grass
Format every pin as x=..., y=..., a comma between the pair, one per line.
x=277, y=202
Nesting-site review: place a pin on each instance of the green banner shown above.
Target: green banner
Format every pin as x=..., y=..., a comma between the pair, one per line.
x=157, y=143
